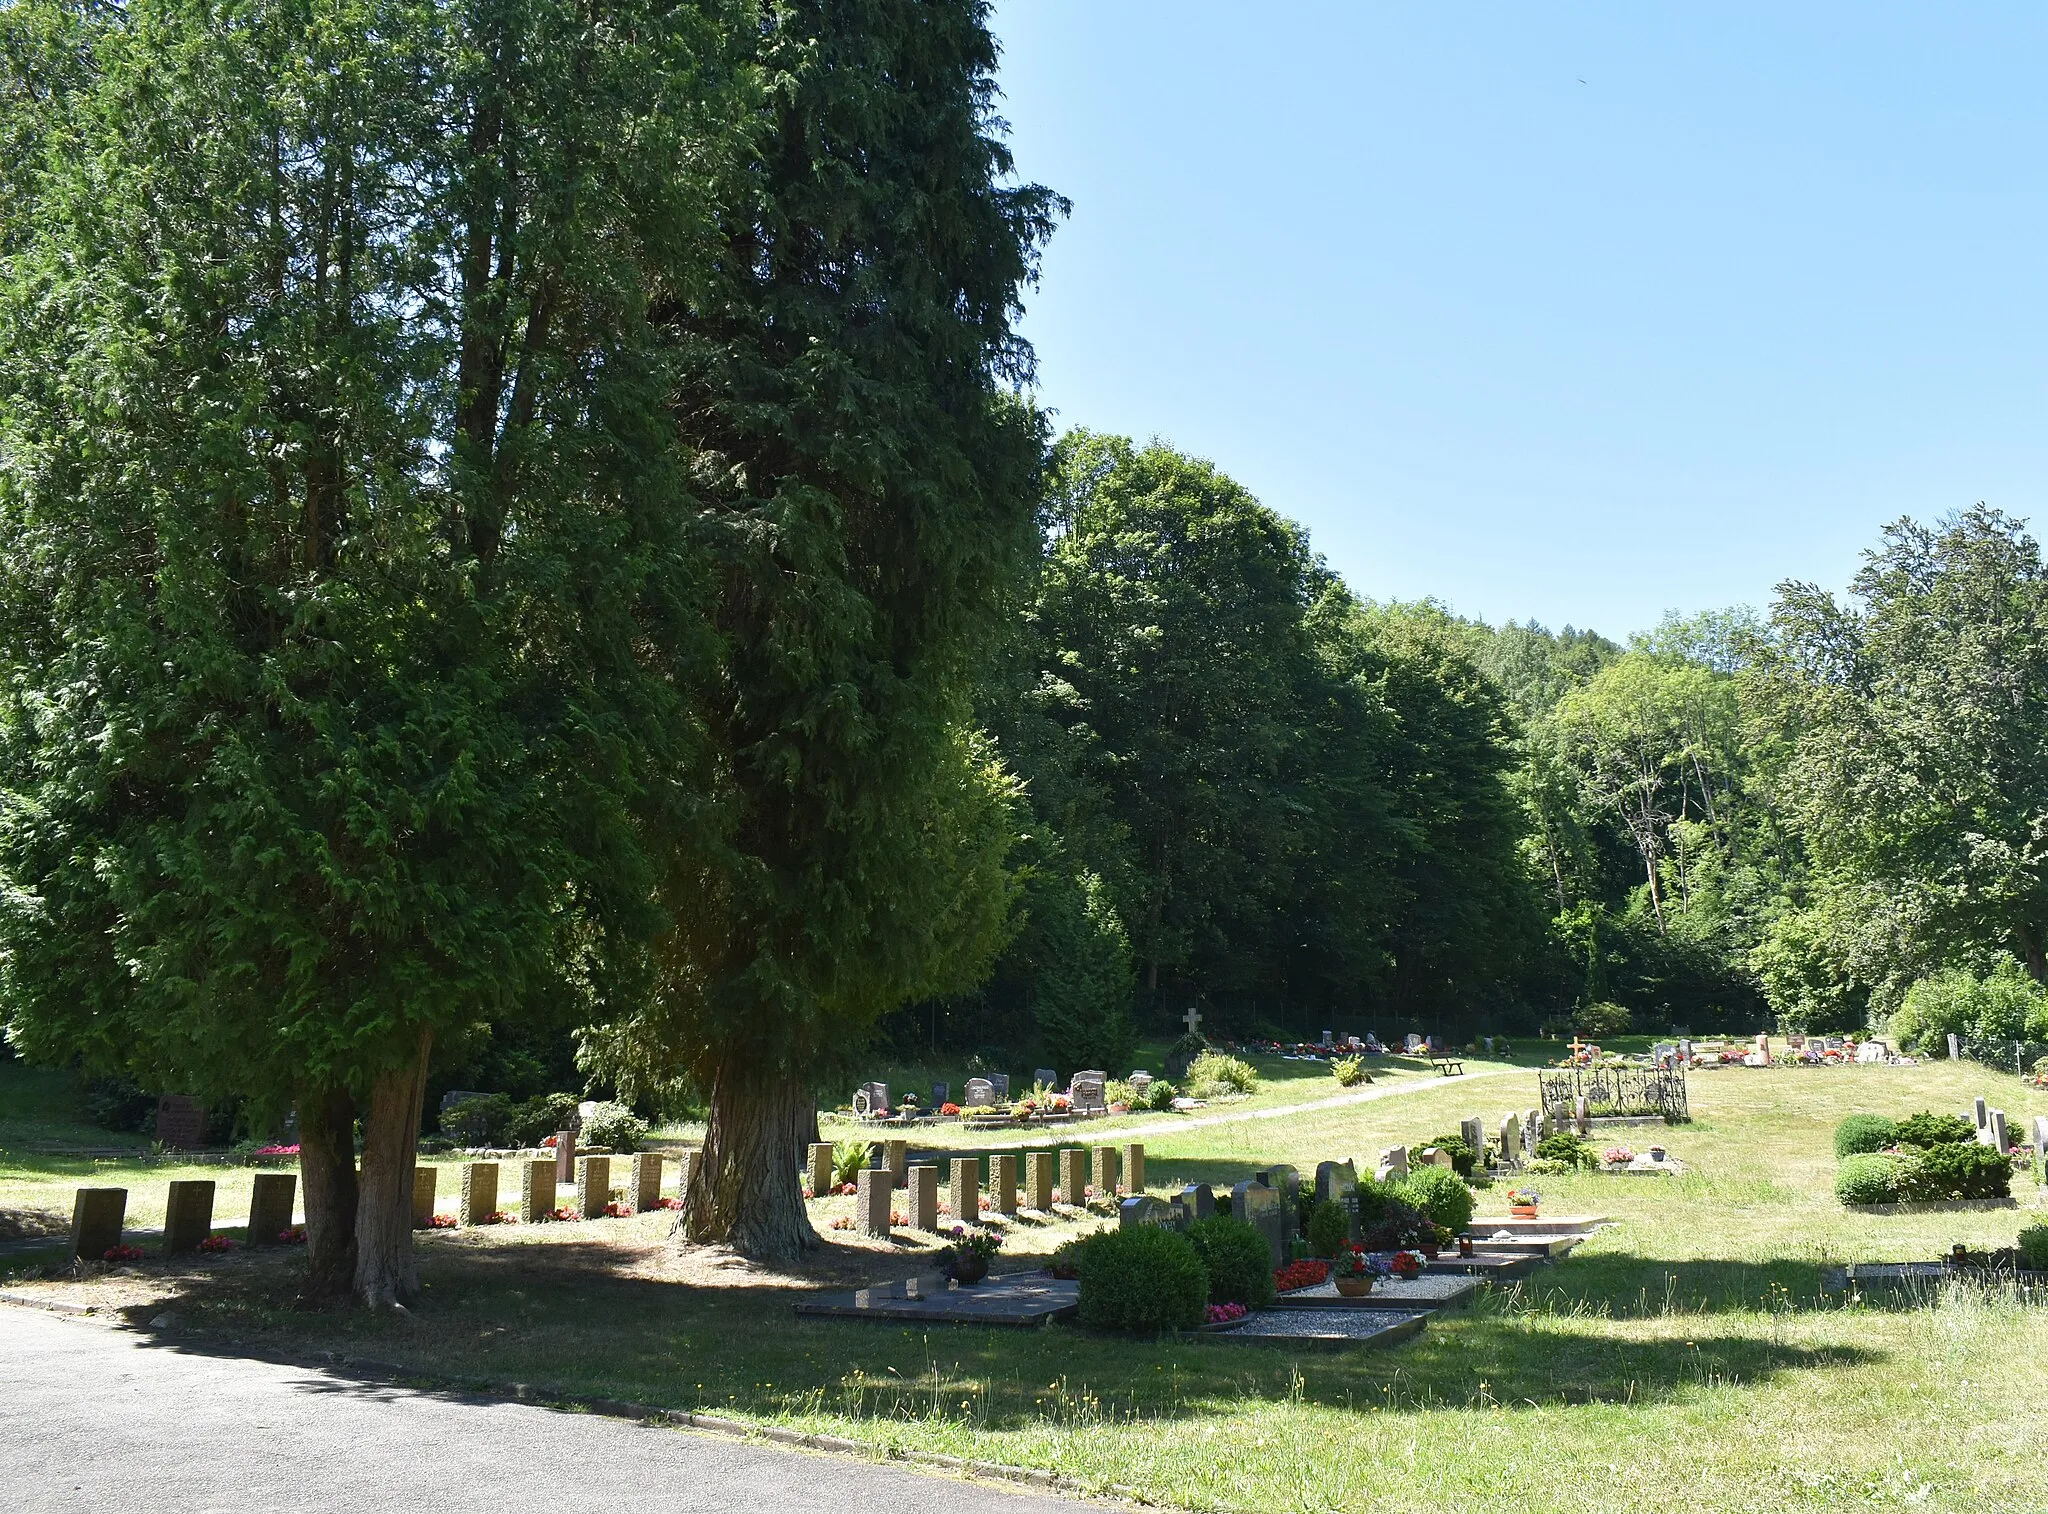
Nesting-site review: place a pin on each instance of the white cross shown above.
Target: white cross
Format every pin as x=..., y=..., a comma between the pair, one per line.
x=1194, y=1019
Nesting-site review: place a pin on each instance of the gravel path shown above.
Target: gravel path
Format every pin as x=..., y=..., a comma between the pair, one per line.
x=96, y=1418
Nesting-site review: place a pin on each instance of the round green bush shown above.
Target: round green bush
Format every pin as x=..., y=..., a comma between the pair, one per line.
x=1442, y=1195
x=1864, y=1133
x=2033, y=1246
x=1213, y=1073
x=1957, y=1171
x=1328, y=1228
x=613, y=1125
x=1239, y=1262
x=1143, y=1280
x=1566, y=1147
x=1871, y=1178
x=1927, y=1129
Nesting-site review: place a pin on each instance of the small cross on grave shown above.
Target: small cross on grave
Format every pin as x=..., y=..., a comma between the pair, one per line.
x=1193, y=1019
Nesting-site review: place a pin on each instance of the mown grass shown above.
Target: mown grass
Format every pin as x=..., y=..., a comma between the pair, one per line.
x=1686, y=1360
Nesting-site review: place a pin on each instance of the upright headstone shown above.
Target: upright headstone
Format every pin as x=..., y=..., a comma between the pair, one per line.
x=872, y=1193
x=867, y=1104
x=1998, y=1132
x=96, y=1216
x=180, y=1122
x=479, y=1192
x=980, y=1094
x=1285, y=1182
x=1472, y=1130
x=536, y=1190
x=1955, y=1047
x=1104, y=1170
x=1337, y=1183
x=270, y=1206
x=1073, y=1176
x=923, y=1180
x=1002, y=1182
x=426, y=1183
x=1582, y=1115
x=1141, y=1083
x=820, y=1172
x=942, y=1095
x=1393, y=1164
x=896, y=1157
x=1329, y=1039
x=1412, y=1043
x=1039, y=1181
x=647, y=1180
x=1532, y=1130
x=1511, y=1140
x=1134, y=1167
x=1260, y=1207
x=1085, y=1092
x=565, y=1157
x=1198, y=1201
x=2041, y=1137
x=188, y=1215
x=1983, y=1116
x=686, y=1171
x=1046, y=1076
x=1000, y=1082
x=1143, y=1209
x=965, y=1190
x=593, y=1185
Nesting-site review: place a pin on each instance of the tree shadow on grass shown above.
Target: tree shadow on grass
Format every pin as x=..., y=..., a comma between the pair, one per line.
x=564, y=1319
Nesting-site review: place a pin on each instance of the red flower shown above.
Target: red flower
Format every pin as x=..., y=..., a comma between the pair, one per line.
x=216, y=1243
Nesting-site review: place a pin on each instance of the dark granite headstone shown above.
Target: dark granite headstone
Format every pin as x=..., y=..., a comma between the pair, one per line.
x=1286, y=1182
x=1260, y=1207
x=1143, y=1210
x=180, y=1122
x=1199, y=1200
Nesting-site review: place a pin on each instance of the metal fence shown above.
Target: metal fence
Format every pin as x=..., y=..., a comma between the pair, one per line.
x=2007, y=1056
x=1615, y=1091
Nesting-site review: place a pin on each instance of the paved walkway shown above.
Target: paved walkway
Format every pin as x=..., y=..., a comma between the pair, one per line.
x=95, y=1418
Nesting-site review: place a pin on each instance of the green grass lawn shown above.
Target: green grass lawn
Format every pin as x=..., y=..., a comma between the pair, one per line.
x=1685, y=1360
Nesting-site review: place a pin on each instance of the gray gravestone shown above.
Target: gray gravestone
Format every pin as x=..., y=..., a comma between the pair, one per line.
x=1000, y=1081
x=1046, y=1076
x=180, y=1122
x=536, y=1190
x=1199, y=1201
x=479, y=1192
x=820, y=1168
x=871, y=1203
x=896, y=1157
x=1337, y=1183
x=1285, y=1182
x=1472, y=1131
x=1955, y=1048
x=1085, y=1092
x=1002, y=1182
x=980, y=1094
x=271, y=1195
x=1260, y=1207
x=1393, y=1164
x=2041, y=1137
x=1511, y=1141
x=1532, y=1131
x=565, y=1157
x=1983, y=1117
x=965, y=1194
x=1038, y=1181
x=593, y=1185
x=96, y=1216
x=1998, y=1132
x=1143, y=1209
x=1582, y=1115
x=1141, y=1083
x=188, y=1215
x=426, y=1183
x=1435, y=1156
x=1104, y=1171
x=647, y=1180
x=942, y=1095
x=924, y=1197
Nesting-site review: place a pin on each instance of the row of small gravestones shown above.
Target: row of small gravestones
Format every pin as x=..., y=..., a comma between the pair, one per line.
x=1084, y=1092
x=1269, y=1202
x=1012, y=1184
x=98, y=1214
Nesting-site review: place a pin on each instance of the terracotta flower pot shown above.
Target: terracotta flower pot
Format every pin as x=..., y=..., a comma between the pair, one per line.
x=1522, y=1211
x=1354, y=1287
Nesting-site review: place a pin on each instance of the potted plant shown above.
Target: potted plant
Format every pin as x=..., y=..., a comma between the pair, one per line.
x=1617, y=1156
x=1407, y=1265
x=966, y=1260
x=1355, y=1270
x=1522, y=1203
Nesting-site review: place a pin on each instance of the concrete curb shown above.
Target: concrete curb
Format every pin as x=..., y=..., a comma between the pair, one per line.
x=549, y=1397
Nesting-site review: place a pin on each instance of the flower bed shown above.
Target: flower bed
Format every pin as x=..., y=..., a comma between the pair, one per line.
x=216, y=1244
x=119, y=1254
x=437, y=1222
x=1310, y=1272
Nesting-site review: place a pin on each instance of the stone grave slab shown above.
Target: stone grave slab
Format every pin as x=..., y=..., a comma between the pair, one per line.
x=1498, y=1266
x=1073, y=1176
x=1134, y=1167
x=1020, y=1299
x=180, y=1122
x=1104, y=1171
x=896, y=1157
x=271, y=1195
x=980, y=1094
x=593, y=1185
x=188, y=1215
x=479, y=1192
x=1143, y=1209
x=1332, y=1328
x=965, y=1190
x=536, y=1190
x=646, y=1181
x=425, y=1184
x=820, y=1168
x=565, y=1157
x=1038, y=1181
x=1262, y=1209
x=924, y=1197
x=96, y=1216
x=1433, y=1290
x=1199, y=1201
x=1563, y=1224
x=1002, y=1182
x=1046, y=1076
x=871, y=1203
x=1548, y=1247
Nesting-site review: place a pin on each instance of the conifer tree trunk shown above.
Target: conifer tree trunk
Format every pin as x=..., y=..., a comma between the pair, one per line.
x=745, y=1192
x=385, y=1274
x=327, y=1169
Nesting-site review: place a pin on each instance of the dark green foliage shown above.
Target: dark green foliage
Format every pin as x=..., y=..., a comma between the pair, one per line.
x=1567, y=1147
x=486, y=1120
x=2033, y=1247
x=1872, y=1179
x=1398, y=1225
x=1328, y=1228
x=1442, y=1195
x=1142, y=1280
x=540, y=1117
x=1865, y=1133
x=1929, y=1129
x=1238, y=1261
x=1463, y=1157
x=615, y=1126
x=117, y=1103
x=1958, y=1171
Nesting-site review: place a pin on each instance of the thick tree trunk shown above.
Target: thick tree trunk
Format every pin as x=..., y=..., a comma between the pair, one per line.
x=745, y=1191
x=385, y=1275
x=327, y=1170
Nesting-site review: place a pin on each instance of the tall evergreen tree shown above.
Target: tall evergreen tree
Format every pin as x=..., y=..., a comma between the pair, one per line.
x=344, y=603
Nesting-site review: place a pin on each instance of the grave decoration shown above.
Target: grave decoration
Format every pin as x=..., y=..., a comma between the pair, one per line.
x=966, y=1259
x=1355, y=1270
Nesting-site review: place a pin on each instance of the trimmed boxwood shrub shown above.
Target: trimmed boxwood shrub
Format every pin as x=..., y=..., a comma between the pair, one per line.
x=1872, y=1178
x=2033, y=1246
x=1566, y=1147
x=1399, y=1226
x=1143, y=1280
x=1958, y=1171
x=1239, y=1262
x=1925, y=1129
x=1328, y=1228
x=1441, y=1195
x=1865, y=1133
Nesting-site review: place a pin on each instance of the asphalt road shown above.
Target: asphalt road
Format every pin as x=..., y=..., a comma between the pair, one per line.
x=97, y=1418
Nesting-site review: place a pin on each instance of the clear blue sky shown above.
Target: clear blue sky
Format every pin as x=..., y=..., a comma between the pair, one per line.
x=1769, y=277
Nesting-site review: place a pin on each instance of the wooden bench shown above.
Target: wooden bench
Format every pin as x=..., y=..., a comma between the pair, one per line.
x=1450, y=1067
